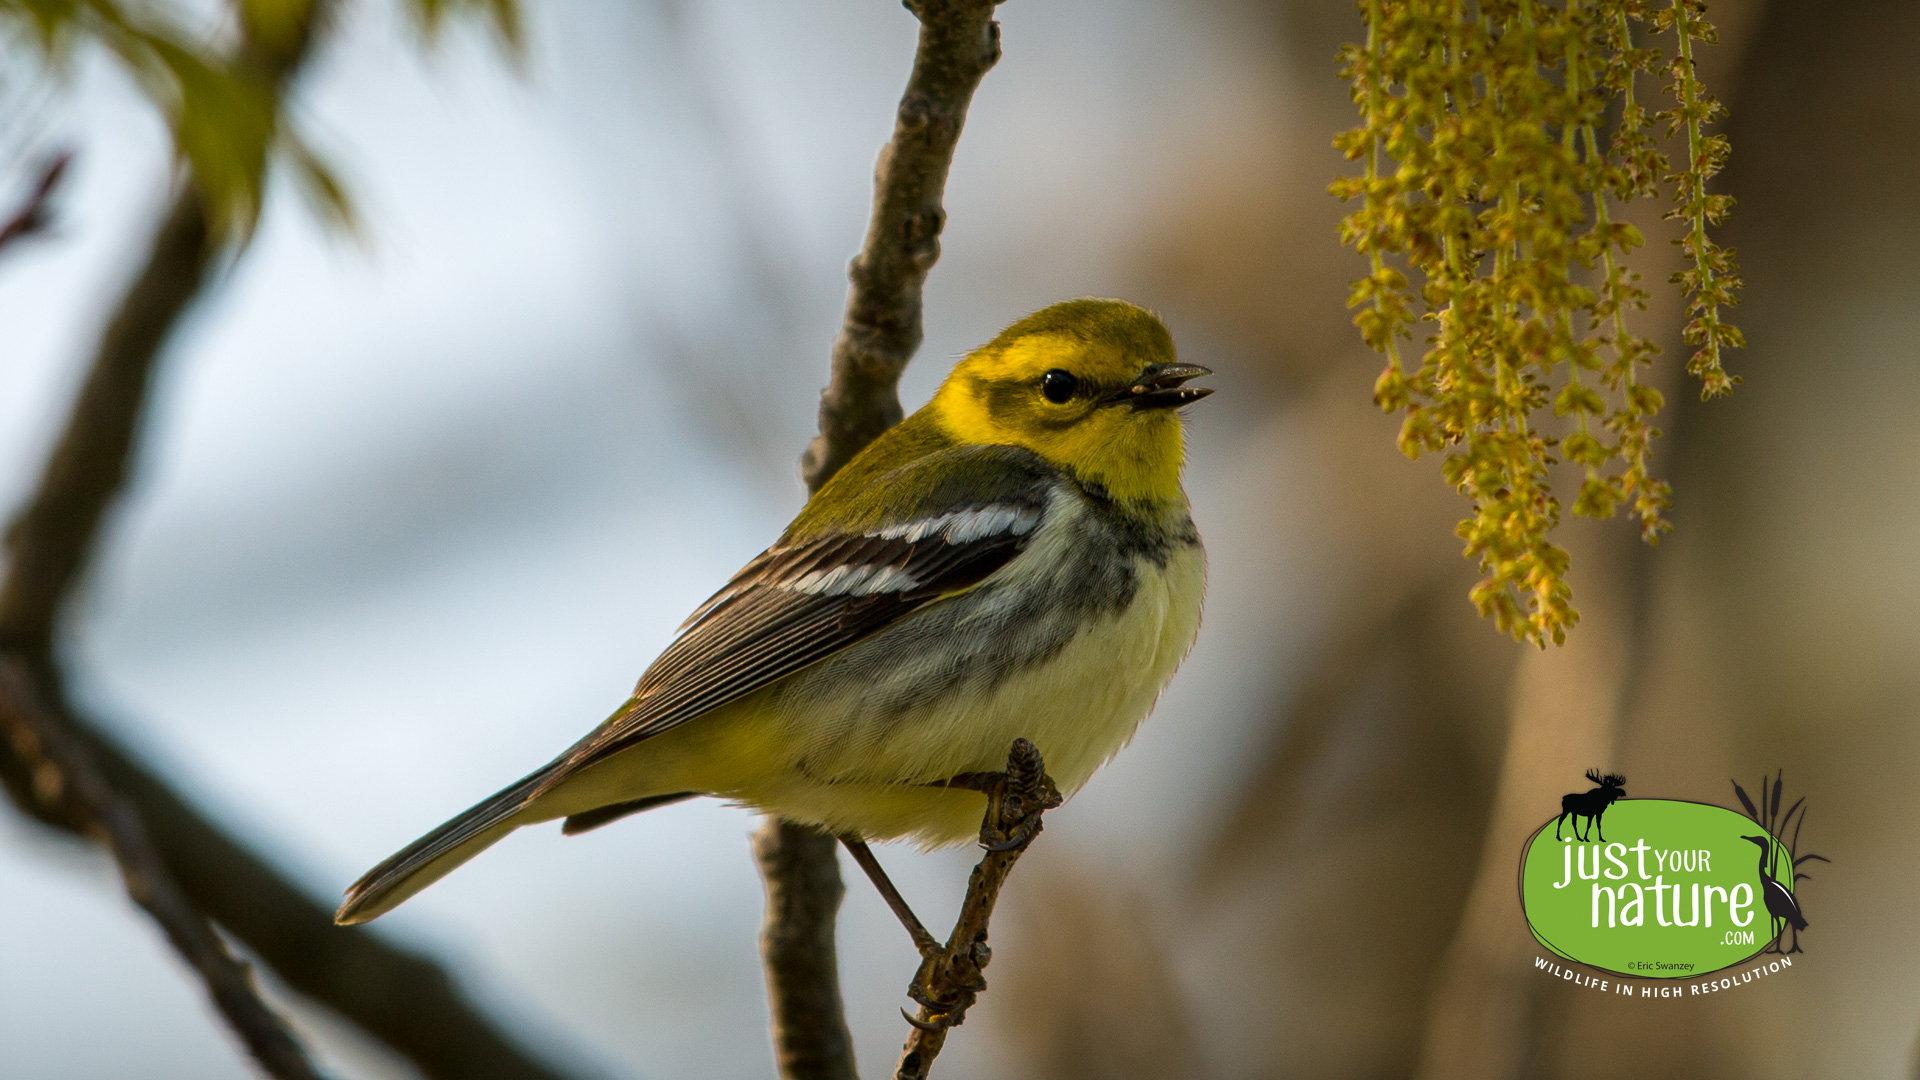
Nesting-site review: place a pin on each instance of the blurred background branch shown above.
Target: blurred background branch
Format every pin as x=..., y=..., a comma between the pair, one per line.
x=35, y=216
x=158, y=836
x=66, y=782
x=400, y=521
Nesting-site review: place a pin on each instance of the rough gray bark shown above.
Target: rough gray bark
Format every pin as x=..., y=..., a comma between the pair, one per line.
x=959, y=42
x=804, y=890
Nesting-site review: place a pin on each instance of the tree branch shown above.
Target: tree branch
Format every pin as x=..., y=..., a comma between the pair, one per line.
x=403, y=999
x=66, y=780
x=50, y=541
x=35, y=217
x=959, y=42
x=399, y=997
x=949, y=980
x=802, y=873
x=53, y=537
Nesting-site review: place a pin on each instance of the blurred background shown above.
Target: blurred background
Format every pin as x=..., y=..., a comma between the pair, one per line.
x=415, y=506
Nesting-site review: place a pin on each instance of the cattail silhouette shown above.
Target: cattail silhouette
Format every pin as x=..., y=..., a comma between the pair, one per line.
x=1781, y=903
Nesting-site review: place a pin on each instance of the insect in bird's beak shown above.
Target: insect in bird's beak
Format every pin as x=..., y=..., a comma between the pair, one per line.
x=1158, y=387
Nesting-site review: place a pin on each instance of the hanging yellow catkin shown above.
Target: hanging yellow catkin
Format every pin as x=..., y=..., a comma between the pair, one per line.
x=1489, y=164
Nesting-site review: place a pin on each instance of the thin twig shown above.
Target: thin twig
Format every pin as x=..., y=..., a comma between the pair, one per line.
x=400, y=997
x=950, y=979
x=959, y=42
x=65, y=775
x=35, y=215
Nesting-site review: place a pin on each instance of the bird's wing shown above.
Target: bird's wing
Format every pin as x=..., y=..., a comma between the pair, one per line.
x=936, y=526
x=805, y=599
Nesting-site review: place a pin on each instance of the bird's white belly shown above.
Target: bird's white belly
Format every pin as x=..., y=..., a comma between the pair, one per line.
x=1079, y=707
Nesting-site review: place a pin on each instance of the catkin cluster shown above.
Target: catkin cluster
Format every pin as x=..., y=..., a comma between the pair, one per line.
x=1494, y=136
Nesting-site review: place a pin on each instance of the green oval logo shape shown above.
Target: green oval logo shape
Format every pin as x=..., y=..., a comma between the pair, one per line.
x=1678, y=889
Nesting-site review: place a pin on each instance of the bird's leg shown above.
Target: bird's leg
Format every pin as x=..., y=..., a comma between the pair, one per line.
x=862, y=854
x=951, y=977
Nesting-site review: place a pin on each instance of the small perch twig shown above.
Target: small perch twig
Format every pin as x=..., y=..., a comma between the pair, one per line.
x=951, y=978
x=64, y=775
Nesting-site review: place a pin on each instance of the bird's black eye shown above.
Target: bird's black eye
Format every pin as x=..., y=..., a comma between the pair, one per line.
x=1058, y=386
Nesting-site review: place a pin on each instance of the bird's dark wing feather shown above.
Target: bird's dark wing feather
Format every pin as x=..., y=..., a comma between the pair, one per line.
x=944, y=522
x=797, y=604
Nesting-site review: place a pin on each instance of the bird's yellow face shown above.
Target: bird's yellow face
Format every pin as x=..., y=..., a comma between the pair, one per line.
x=1091, y=385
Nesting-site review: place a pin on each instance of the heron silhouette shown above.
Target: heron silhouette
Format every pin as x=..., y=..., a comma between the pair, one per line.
x=1781, y=906
x=1780, y=901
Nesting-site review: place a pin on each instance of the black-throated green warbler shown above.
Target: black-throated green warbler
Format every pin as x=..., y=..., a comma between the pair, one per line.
x=1013, y=560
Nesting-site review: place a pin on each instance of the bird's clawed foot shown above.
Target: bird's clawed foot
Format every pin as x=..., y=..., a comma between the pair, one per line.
x=951, y=977
x=960, y=975
x=1015, y=798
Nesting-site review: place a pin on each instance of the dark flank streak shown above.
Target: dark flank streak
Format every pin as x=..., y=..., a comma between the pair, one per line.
x=1005, y=627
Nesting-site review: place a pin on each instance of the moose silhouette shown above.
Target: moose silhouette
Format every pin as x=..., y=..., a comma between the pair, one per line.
x=1591, y=804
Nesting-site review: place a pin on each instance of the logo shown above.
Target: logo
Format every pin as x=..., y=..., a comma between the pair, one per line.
x=1683, y=889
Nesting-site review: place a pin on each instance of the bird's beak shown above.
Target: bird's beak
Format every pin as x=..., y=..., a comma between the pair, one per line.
x=1158, y=387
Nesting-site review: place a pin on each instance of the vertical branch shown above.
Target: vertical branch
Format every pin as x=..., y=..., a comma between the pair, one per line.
x=802, y=871
x=959, y=42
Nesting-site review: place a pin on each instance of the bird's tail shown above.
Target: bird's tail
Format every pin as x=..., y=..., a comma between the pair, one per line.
x=438, y=853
